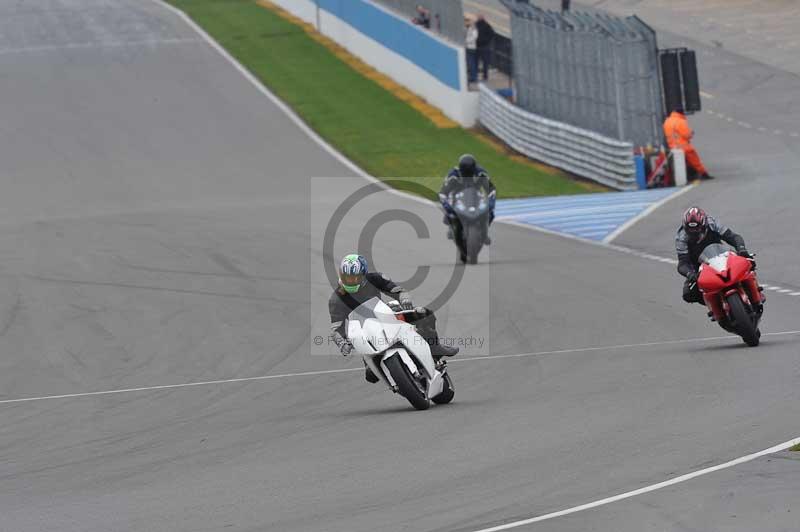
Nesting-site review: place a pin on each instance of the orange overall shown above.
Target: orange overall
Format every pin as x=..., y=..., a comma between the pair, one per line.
x=679, y=135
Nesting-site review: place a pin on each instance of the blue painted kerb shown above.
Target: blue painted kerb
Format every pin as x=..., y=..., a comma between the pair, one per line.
x=399, y=36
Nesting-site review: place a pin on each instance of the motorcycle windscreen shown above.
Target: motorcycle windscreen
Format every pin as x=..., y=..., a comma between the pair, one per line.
x=372, y=326
x=470, y=202
x=714, y=256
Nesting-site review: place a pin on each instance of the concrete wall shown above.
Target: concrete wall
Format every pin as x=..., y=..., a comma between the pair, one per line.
x=421, y=61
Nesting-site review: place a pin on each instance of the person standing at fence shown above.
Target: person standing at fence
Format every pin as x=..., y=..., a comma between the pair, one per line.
x=679, y=135
x=423, y=17
x=471, y=46
x=484, y=45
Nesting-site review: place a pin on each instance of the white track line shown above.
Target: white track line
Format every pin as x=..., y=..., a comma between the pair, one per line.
x=173, y=386
x=288, y=111
x=89, y=45
x=647, y=489
x=349, y=164
x=612, y=347
x=626, y=250
x=630, y=223
x=360, y=172
x=348, y=370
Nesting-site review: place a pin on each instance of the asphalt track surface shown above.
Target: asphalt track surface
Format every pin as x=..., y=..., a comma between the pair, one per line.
x=160, y=225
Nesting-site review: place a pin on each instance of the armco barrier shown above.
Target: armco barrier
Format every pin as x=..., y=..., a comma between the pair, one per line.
x=579, y=151
x=423, y=62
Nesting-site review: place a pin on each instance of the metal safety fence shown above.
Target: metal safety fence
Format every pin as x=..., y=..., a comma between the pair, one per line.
x=590, y=70
x=446, y=16
x=582, y=152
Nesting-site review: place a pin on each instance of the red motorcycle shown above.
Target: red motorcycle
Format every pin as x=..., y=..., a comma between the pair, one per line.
x=730, y=289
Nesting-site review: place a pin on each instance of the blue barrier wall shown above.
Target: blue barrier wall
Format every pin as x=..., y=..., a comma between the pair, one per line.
x=406, y=40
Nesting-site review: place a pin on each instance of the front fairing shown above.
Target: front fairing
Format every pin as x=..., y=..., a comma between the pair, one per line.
x=470, y=204
x=714, y=269
x=373, y=327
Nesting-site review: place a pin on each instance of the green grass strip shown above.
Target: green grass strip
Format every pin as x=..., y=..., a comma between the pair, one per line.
x=796, y=448
x=382, y=134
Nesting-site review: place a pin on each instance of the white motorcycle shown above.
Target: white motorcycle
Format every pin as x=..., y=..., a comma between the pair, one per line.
x=398, y=354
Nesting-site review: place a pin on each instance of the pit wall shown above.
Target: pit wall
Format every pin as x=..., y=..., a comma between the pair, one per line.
x=424, y=63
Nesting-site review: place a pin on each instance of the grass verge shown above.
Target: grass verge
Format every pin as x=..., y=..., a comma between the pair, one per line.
x=384, y=135
x=796, y=448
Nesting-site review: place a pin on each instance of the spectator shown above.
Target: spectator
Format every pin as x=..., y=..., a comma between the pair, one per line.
x=471, y=45
x=423, y=17
x=485, y=39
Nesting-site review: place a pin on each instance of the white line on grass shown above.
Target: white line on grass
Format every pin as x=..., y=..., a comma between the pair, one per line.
x=349, y=370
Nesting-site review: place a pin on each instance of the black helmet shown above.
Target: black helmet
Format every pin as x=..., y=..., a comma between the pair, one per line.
x=467, y=165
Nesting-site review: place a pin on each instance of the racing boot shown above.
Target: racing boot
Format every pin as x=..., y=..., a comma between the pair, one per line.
x=439, y=350
x=425, y=322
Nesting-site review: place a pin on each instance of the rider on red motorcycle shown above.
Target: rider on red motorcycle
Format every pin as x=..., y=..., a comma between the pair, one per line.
x=697, y=231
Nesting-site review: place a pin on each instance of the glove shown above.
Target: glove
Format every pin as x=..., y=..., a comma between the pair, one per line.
x=346, y=348
x=692, y=276
x=405, y=302
x=742, y=252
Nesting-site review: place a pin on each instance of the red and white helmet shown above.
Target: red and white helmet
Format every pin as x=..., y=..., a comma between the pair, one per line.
x=695, y=222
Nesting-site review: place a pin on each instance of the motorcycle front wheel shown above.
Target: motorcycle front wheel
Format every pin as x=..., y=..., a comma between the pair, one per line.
x=473, y=241
x=745, y=326
x=406, y=384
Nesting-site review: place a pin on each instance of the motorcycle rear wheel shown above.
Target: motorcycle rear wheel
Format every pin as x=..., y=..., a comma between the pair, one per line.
x=743, y=321
x=406, y=384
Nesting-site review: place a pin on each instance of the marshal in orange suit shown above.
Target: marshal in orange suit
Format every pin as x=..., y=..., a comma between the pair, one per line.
x=679, y=135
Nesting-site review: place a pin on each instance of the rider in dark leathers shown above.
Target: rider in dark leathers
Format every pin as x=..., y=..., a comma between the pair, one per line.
x=363, y=286
x=697, y=231
x=467, y=174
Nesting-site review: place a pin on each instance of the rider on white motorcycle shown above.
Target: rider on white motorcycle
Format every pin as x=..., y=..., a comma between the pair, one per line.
x=357, y=285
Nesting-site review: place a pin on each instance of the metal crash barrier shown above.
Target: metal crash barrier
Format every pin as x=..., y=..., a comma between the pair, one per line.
x=579, y=151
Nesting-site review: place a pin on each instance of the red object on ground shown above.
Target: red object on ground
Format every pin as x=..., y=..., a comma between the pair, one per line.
x=661, y=176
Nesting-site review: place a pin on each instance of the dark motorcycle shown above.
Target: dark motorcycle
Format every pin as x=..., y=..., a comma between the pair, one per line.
x=469, y=218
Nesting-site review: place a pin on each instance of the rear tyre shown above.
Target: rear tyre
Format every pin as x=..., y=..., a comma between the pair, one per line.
x=743, y=322
x=406, y=384
x=448, y=392
x=473, y=241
